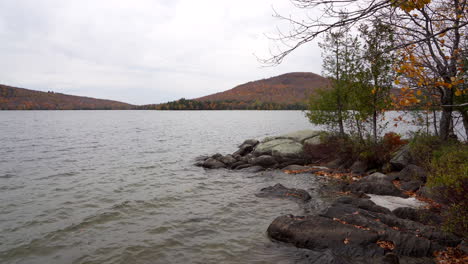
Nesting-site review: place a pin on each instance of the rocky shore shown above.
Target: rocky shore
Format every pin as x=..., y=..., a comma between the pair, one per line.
x=376, y=218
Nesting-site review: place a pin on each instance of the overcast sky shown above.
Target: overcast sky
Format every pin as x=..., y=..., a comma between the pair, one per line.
x=142, y=51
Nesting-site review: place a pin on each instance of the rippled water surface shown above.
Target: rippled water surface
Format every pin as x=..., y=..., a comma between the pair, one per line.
x=120, y=187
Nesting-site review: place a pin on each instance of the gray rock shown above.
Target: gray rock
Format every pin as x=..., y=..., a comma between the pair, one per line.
x=295, y=168
x=252, y=142
x=266, y=148
x=402, y=158
x=359, y=167
x=244, y=149
x=321, y=233
x=377, y=176
x=413, y=173
x=237, y=164
x=228, y=160
x=411, y=186
x=253, y=169
x=212, y=163
x=377, y=184
x=302, y=135
x=264, y=161
x=217, y=156
x=243, y=166
x=313, y=141
x=288, y=150
x=279, y=191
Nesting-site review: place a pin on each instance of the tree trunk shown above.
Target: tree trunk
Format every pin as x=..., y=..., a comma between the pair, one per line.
x=446, y=117
x=445, y=123
x=434, y=113
x=464, y=114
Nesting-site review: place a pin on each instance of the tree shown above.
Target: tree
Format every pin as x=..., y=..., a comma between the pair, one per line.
x=340, y=52
x=378, y=73
x=428, y=31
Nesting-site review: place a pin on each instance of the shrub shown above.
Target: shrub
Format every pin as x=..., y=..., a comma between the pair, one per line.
x=421, y=148
x=448, y=180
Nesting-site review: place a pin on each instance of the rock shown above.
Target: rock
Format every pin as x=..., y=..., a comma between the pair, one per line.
x=244, y=149
x=374, y=185
x=236, y=164
x=413, y=173
x=228, y=160
x=392, y=202
x=279, y=191
x=361, y=203
x=335, y=164
x=377, y=176
x=243, y=166
x=313, y=141
x=264, y=161
x=251, y=142
x=253, y=169
x=302, y=135
x=321, y=233
x=402, y=158
x=288, y=150
x=359, y=167
x=352, y=228
x=217, y=156
x=390, y=258
x=200, y=160
x=212, y=163
x=266, y=148
x=411, y=186
x=419, y=215
x=295, y=168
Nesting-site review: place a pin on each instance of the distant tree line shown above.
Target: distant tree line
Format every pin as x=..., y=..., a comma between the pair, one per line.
x=185, y=104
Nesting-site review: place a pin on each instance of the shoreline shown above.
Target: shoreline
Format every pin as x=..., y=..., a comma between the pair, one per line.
x=384, y=217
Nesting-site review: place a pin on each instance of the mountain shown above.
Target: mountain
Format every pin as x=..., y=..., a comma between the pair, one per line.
x=287, y=88
x=12, y=98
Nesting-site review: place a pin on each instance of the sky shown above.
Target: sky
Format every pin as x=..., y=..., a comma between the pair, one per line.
x=144, y=51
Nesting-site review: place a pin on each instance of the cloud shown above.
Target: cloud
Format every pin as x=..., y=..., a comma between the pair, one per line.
x=141, y=51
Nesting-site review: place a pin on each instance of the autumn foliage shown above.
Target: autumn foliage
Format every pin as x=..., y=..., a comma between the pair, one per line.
x=12, y=98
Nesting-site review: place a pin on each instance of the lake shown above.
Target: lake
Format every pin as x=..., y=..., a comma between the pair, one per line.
x=120, y=187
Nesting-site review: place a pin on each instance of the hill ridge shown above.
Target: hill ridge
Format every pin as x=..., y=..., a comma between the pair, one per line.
x=293, y=87
x=15, y=98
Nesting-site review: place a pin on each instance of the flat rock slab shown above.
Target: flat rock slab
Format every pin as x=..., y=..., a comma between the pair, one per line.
x=279, y=191
x=356, y=227
x=393, y=202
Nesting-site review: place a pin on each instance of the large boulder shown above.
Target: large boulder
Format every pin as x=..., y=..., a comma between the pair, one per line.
x=413, y=173
x=376, y=183
x=266, y=147
x=288, y=151
x=264, y=161
x=401, y=158
x=321, y=233
x=279, y=191
x=302, y=135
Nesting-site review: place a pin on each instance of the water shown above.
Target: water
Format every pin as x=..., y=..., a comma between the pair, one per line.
x=120, y=187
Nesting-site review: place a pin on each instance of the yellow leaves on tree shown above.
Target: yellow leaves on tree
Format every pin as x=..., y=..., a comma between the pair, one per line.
x=410, y=5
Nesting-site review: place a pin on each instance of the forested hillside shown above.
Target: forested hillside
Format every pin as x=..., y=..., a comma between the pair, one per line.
x=12, y=98
x=287, y=88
